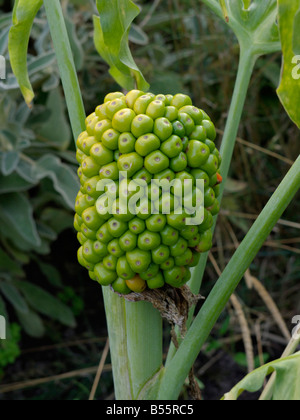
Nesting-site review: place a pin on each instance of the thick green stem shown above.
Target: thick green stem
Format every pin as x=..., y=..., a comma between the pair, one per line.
x=204, y=322
x=66, y=65
x=246, y=66
x=135, y=336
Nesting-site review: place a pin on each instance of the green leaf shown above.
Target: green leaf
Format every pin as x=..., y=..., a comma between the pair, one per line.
x=13, y=183
x=32, y=324
x=56, y=129
x=289, y=89
x=46, y=304
x=9, y=266
x=137, y=35
x=16, y=213
x=254, y=23
x=64, y=180
x=287, y=385
x=111, y=40
x=23, y=16
x=296, y=38
x=14, y=297
x=9, y=162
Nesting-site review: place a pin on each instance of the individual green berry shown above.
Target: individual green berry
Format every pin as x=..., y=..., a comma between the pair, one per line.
x=189, y=232
x=199, y=133
x=195, y=259
x=172, y=146
x=156, y=109
x=130, y=163
x=88, y=233
x=169, y=235
x=143, y=175
x=116, y=227
x=156, y=282
x=123, y=269
x=90, y=168
x=110, y=262
x=104, y=235
x=110, y=139
x=209, y=197
x=137, y=226
x=194, y=241
x=156, y=162
x=121, y=287
x=210, y=129
x=181, y=100
x=211, y=165
x=103, y=276
x=178, y=129
x=114, y=95
x=146, y=144
x=197, y=154
x=141, y=125
x=128, y=241
x=82, y=261
x=187, y=122
x=81, y=238
x=177, y=221
x=205, y=243
x=139, y=260
x=156, y=223
x=179, y=163
x=110, y=171
x=210, y=144
x=160, y=254
x=184, y=259
x=122, y=120
x=198, y=174
x=114, y=248
x=185, y=143
x=151, y=272
x=163, y=129
x=147, y=241
x=101, y=154
x=168, y=265
x=179, y=248
x=100, y=249
x=174, y=276
x=126, y=143
x=92, y=219
x=171, y=113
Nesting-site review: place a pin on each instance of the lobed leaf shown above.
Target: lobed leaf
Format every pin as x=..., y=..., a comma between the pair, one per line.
x=289, y=89
x=284, y=390
x=23, y=16
x=111, y=40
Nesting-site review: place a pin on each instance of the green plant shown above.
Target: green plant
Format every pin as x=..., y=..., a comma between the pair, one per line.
x=9, y=348
x=255, y=26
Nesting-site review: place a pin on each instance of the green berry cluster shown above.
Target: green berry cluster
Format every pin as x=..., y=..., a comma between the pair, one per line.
x=149, y=138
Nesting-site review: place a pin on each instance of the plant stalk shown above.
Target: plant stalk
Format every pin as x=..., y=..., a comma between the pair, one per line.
x=246, y=65
x=179, y=367
x=66, y=66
